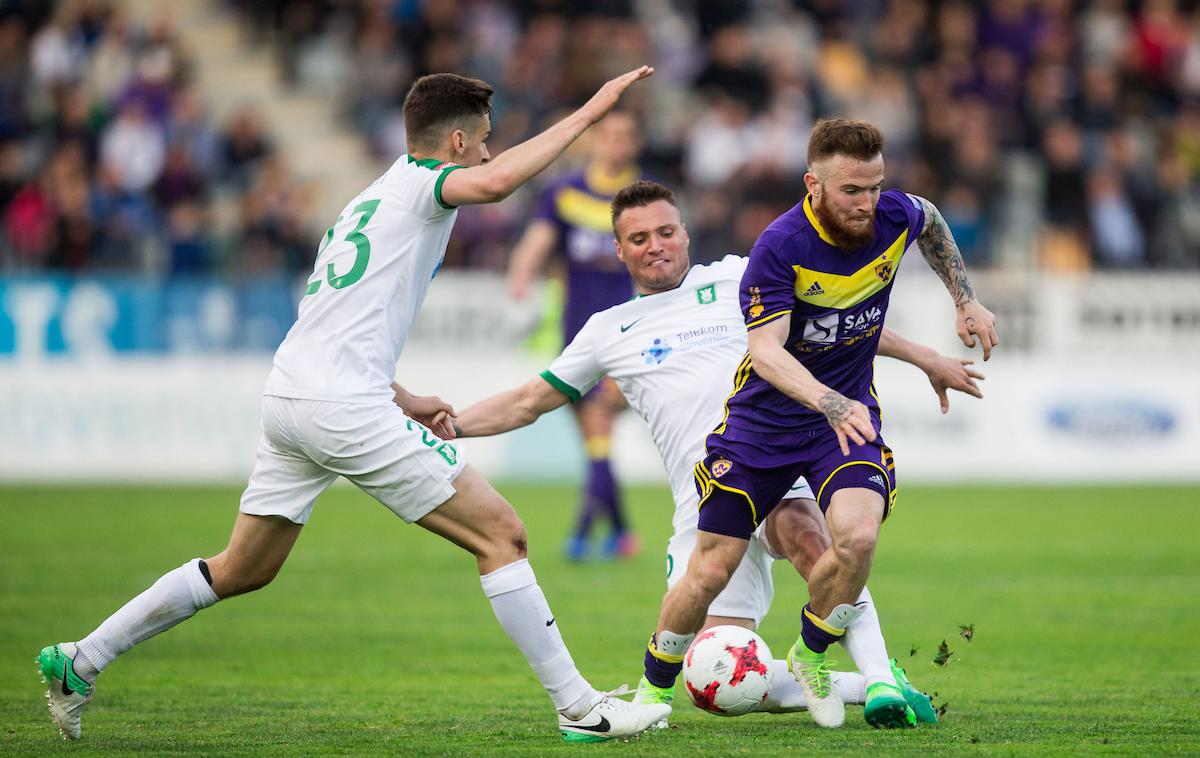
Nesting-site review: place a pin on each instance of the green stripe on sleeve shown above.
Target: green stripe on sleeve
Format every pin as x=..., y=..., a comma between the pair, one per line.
x=437, y=188
x=558, y=384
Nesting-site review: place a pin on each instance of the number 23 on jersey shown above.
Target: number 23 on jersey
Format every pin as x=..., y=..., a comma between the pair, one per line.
x=362, y=256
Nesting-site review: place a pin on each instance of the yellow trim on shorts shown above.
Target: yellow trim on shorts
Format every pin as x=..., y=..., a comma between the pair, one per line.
x=740, y=377
x=820, y=623
x=714, y=483
x=705, y=482
x=886, y=478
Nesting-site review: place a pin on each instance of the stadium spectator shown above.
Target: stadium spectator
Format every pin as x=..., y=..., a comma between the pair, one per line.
x=972, y=92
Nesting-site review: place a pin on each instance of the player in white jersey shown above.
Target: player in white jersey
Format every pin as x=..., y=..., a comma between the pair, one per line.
x=672, y=351
x=331, y=408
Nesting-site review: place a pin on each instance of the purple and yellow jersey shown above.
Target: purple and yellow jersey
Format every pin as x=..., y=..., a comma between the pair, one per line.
x=579, y=207
x=837, y=301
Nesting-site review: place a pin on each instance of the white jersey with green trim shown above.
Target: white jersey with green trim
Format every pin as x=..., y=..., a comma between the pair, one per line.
x=373, y=268
x=673, y=355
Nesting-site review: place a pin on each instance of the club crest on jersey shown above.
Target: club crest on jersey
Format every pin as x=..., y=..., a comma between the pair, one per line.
x=721, y=467
x=884, y=271
x=706, y=295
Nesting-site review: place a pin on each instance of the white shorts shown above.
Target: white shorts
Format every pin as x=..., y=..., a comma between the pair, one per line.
x=306, y=444
x=751, y=589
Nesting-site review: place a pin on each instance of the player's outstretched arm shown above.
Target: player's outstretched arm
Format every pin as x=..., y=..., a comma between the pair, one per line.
x=529, y=256
x=945, y=373
x=500, y=177
x=850, y=419
x=941, y=253
x=509, y=410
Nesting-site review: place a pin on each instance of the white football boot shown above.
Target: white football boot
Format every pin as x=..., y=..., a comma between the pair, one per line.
x=611, y=718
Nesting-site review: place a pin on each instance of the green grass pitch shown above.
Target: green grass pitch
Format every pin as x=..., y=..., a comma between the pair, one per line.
x=377, y=639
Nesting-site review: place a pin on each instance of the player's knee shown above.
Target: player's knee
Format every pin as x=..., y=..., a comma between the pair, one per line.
x=800, y=538
x=508, y=539
x=857, y=543
x=712, y=574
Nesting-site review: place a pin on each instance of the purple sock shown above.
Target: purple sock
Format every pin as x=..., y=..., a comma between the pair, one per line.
x=660, y=673
x=602, y=487
x=815, y=638
x=599, y=497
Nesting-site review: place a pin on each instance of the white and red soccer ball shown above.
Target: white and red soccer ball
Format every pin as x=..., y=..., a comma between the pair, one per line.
x=725, y=670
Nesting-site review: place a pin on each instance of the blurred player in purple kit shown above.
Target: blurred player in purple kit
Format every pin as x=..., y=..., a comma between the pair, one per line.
x=572, y=220
x=814, y=296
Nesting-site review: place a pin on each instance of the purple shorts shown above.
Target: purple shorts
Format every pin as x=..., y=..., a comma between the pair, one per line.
x=735, y=497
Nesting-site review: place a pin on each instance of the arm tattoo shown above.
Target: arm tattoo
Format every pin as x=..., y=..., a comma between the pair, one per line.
x=835, y=406
x=943, y=256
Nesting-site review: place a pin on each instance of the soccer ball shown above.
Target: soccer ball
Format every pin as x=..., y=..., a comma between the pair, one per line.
x=726, y=672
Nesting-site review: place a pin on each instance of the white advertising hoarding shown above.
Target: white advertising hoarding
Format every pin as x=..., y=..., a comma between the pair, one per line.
x=1088, y=385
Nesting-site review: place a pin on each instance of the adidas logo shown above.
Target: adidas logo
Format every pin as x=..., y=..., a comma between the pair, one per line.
x=878, y=479
x=815, y=289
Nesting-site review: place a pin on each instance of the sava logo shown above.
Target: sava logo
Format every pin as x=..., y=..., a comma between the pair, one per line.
x=862, y=320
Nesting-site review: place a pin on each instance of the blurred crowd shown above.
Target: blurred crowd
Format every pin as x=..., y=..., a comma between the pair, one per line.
x=1053, y=134
x=109, y=161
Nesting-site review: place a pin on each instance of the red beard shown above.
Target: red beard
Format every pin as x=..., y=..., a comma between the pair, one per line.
x=844, y=237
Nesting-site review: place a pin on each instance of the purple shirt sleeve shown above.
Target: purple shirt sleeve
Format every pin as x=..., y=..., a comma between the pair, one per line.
x=914, y=210
x=769, y=284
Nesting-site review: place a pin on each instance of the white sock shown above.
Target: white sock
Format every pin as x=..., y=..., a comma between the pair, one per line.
x=864, y=642
x=785, y=695
x=850, y=685
x=174, y=597
x=521, y=609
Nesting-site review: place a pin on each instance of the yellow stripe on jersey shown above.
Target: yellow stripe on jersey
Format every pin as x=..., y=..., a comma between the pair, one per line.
x=765, y=319
x=600, y=182
x=578, y=208
x=871, y=389
x=812, y=219
x=826, y=290
x=740, y=377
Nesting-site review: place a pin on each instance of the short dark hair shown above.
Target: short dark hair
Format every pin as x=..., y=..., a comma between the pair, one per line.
x=841, y=136
x=639, y=194
x=440, y=103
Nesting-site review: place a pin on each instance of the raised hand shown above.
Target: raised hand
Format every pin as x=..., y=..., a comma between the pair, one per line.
x=607, y=96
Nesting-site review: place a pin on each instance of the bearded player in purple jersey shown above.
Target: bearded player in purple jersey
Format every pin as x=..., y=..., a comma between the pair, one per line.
x=572, y=222
x=814, y=296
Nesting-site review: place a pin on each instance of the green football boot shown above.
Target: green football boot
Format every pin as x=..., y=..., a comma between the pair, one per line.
x=921, y=703
x=66, y=692
x=886, y=707
x=649, y=693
